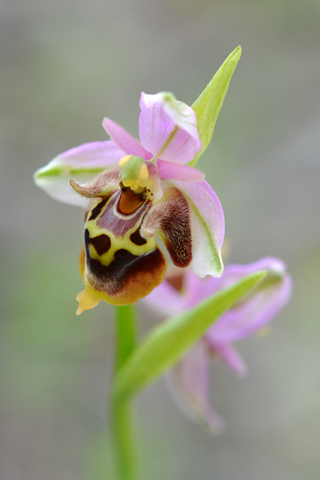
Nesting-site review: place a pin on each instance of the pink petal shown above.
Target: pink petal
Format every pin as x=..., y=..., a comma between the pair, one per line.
x=258, y=308
x=165, y=299
x=207, y=226
x=189, y=384
x=193, y=288
x=124, y=140
x=168, y=128
x=231, y=358
x=82, y=164
x=198, y=289
x=177, y=171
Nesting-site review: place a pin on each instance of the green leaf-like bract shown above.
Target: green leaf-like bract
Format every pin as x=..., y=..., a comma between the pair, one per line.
x=208, y=104
x=168, y=342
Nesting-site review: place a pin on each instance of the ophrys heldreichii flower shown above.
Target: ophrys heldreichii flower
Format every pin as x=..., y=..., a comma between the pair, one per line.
x=131, y=191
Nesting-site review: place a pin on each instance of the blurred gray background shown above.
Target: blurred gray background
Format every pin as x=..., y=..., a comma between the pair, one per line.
x=64, y=66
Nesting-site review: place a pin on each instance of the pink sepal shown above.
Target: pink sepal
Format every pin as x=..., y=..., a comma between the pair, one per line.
x=168, y=128
x=207, y=225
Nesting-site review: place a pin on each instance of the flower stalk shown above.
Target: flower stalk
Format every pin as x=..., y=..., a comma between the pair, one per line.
x=125, y=333
x=121, y=414
x=123, y=442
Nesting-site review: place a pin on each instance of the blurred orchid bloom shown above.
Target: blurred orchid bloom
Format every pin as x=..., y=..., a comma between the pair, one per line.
x=131, y=191
x=190, y=380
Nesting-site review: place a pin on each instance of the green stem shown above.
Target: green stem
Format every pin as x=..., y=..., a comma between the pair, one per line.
x=122, y=428
x=125, y=334
x=123, y=440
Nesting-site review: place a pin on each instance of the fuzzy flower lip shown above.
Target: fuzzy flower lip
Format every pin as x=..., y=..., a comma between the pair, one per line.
x=190, y=380
x=132, y=190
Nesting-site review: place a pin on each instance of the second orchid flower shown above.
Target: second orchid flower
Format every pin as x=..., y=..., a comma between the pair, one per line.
x=189, y=381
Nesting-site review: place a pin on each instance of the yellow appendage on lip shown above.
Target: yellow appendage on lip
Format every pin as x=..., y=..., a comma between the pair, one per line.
x=87, y=299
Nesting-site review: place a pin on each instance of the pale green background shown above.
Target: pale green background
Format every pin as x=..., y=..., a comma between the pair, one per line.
x=64, y=66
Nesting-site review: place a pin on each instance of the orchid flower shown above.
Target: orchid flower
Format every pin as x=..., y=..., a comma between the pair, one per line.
x=132, y=190
x=190, y=380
